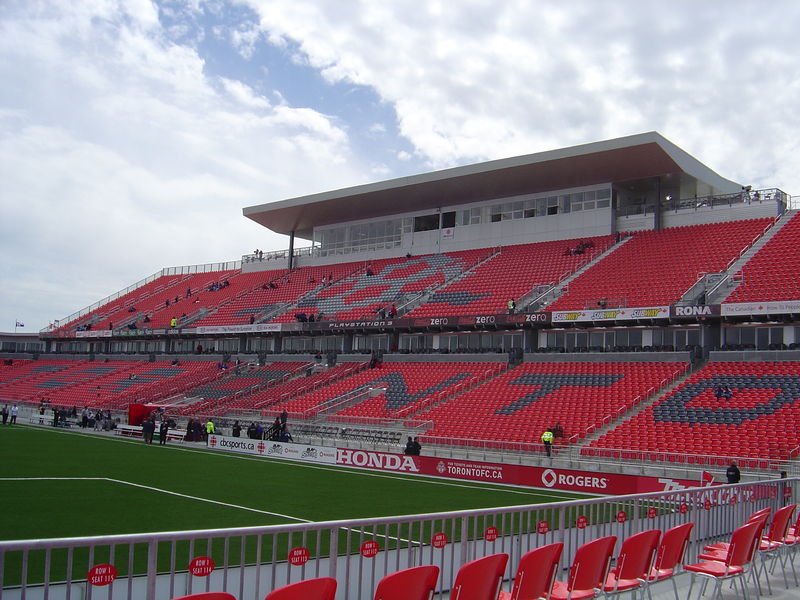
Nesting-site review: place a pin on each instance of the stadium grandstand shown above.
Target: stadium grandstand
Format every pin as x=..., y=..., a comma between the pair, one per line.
x=620, y=294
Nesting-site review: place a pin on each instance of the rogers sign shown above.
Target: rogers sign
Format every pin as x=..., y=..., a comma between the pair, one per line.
x=571, y=480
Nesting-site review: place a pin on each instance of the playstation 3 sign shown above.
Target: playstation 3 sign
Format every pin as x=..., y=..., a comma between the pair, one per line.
x=706, y=310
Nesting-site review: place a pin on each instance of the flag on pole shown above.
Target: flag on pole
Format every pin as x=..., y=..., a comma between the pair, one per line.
x=19, y=324
x=706, y=479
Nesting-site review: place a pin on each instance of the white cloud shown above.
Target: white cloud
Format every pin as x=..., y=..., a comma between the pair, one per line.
x=244, y=94
x=119, y=155
x=121, y=151
x=481, y=80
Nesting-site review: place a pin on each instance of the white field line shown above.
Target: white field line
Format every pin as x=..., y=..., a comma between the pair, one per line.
x=190, y=497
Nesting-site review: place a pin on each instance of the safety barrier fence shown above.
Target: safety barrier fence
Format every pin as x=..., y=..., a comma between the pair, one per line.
x=249, y=562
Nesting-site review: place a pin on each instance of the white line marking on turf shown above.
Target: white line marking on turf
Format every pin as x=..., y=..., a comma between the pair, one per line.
x=180, y=495
x=159, y=490
x=503, y=488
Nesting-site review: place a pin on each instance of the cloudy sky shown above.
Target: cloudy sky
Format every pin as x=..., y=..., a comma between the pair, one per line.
x=132, y=132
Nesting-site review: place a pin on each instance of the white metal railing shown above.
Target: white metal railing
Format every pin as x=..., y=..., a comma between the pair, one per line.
x=251, y=561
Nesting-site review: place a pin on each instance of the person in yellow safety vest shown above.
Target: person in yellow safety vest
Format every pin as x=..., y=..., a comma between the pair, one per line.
x=173, y=322
x=511, y=306
x=547, y=440
x=209, y=429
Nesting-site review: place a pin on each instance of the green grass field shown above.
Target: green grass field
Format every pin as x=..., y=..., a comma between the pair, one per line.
x=58, y=483
x=168, y=488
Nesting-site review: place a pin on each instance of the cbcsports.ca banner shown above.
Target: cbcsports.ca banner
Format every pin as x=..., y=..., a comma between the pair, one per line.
x=302, y=452
x=540, y=477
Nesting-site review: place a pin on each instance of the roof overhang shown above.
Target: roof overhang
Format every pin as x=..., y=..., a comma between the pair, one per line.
x=632, y=158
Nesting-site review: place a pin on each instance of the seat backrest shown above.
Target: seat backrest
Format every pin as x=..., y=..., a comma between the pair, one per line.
x=590, y=566
x=321, y=588
x=760, y=514
x=480, y=579
x=673, y=546
x=416, y=583
x=780, y=523
x=795, y=529
x=208, y=596
x=743, y=544
x=637, y=554
x=536, y=572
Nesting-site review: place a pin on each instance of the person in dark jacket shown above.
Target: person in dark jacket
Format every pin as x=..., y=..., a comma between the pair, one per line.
x=733, y=474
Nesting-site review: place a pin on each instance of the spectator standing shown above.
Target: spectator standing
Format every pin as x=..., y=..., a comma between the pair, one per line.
x=148, y=429
x=732, y=473
x=512, y=306
x=547, y=440
x=209, y=429
x=163, y=430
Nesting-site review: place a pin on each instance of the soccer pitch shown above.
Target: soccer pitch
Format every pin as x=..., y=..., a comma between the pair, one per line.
x=58, y=483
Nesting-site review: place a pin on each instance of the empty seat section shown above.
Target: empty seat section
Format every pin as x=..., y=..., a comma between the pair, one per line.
x=381, y=283
x=391, y=391
x=655, y=268
x=694, y=421
x=98, y=318
x=271, y=292
x=771, y=274
x=256, y=400
x=512, y=273
x=215, y=396
x=516, y=406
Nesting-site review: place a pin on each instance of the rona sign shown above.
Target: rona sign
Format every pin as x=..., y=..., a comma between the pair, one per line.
x=695, y=311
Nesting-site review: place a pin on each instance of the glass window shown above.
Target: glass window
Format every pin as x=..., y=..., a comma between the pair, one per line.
x=426, y=222
x=582, y=339
x=762, y=338
x=569, y=341
x=449, y=219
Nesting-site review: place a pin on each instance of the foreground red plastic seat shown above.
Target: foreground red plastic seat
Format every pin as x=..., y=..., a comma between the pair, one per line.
x=415, y=583
x=321, y=588
x=773, y=545
x=670, y=554
x=536, y=573
x=588, y=572
x=480, y=579
x=634, y=563
x=734, y=567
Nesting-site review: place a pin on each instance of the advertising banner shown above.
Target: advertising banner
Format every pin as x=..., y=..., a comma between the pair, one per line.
x=610, y=314
x=541, y=477
x=706, y=310
x=255, y=328
x=94, y=334
x=316, y=454
x=761, y=308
